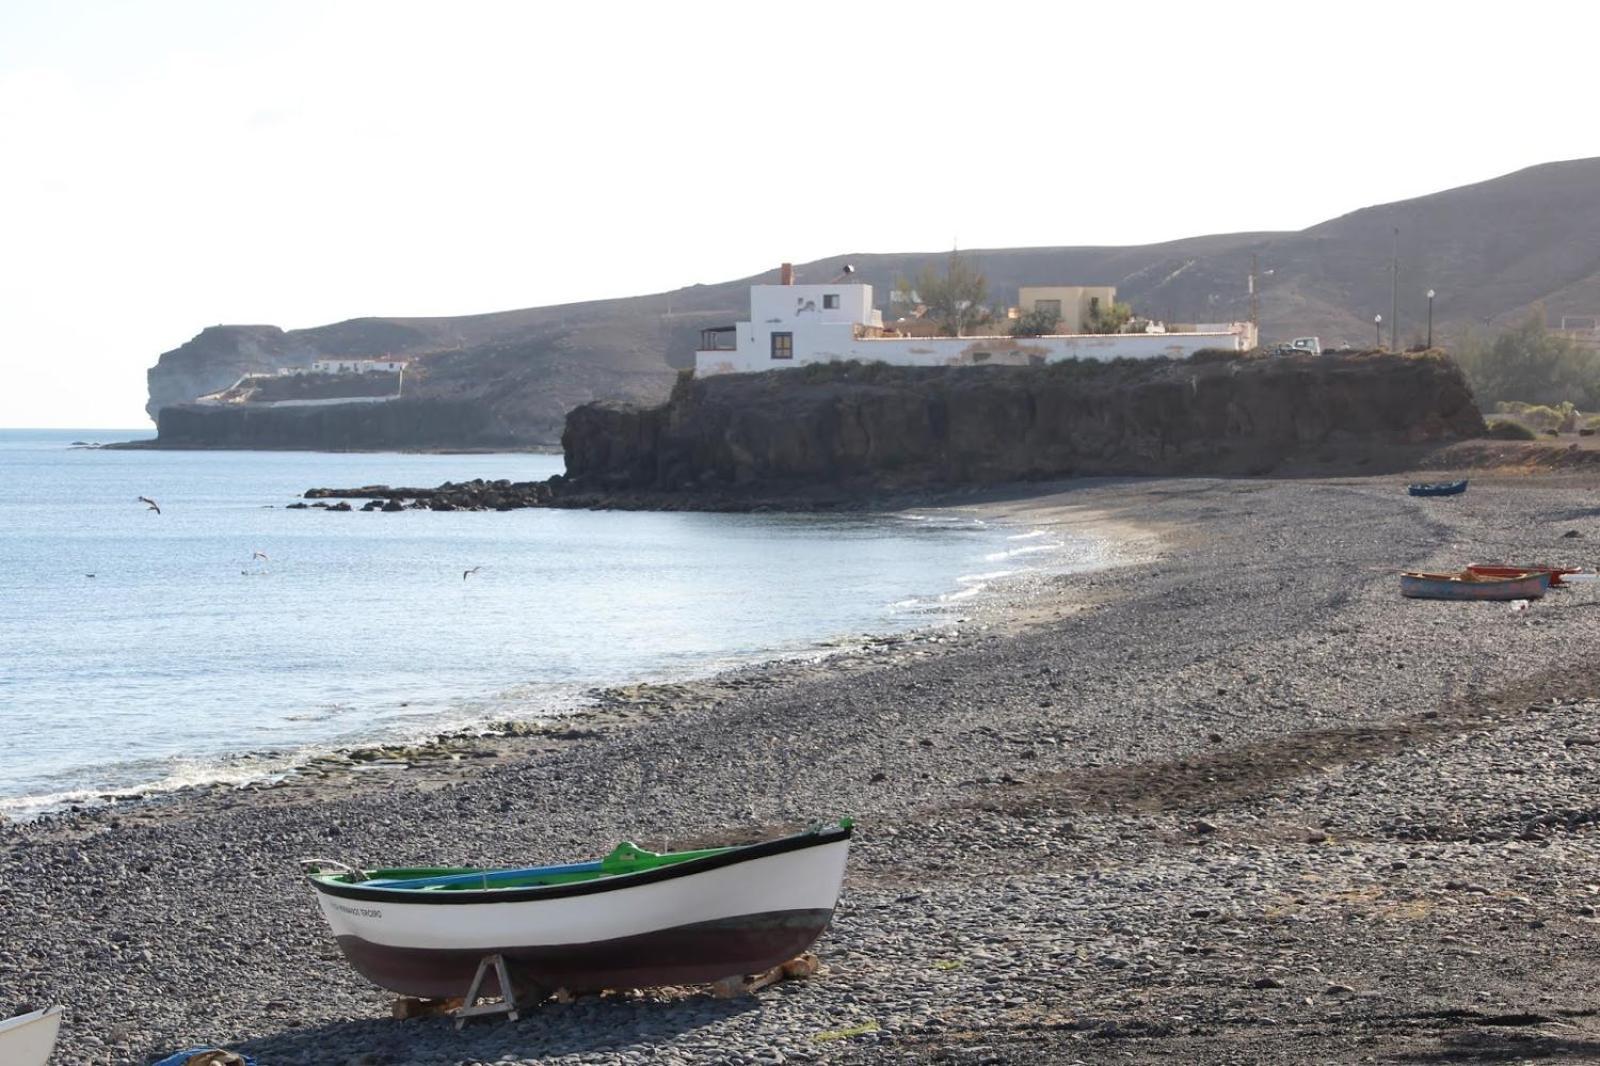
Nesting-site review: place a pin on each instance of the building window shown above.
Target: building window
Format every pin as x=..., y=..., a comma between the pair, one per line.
x=830, y=301
x=1050, y=307
x=783, y=346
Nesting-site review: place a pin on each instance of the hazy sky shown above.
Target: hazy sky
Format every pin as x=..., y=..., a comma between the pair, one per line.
x=169, y=165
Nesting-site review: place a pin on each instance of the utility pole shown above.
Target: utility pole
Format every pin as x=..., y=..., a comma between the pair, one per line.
x=1394, y=306
x=1255, y=306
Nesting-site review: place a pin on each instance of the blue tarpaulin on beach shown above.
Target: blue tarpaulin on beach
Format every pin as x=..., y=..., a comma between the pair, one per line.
x=183, y=1058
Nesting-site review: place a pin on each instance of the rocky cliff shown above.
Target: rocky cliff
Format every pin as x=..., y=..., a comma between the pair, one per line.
x=524, y=369
x=852, y=427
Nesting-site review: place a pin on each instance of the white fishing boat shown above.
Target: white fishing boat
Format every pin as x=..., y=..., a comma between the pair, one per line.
x=634, y=919
x=28, y=1039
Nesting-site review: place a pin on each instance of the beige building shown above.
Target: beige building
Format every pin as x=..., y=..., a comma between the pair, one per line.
x=1074, y=303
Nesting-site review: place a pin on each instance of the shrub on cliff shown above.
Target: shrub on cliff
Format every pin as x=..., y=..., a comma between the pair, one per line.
x=1562, y=417
x=1506, y=429
x=1527, y=362
x=1040, y=322
x=1103, y=319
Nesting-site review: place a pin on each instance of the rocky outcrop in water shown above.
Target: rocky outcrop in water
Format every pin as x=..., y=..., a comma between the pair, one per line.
x=872, y=428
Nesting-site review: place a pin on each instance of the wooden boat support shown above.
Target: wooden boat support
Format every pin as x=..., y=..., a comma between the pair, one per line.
x=495, y=966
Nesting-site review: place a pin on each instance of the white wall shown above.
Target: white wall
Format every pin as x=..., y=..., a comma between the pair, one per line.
x=817, y=346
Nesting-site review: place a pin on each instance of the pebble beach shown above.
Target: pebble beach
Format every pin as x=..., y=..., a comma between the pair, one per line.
x=1226, y=798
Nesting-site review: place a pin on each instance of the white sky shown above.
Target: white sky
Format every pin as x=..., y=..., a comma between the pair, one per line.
x=169, y=165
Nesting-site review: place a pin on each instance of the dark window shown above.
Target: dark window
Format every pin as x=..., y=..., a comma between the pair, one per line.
x=783, y=346
x=830, y=301
x=1048, y=307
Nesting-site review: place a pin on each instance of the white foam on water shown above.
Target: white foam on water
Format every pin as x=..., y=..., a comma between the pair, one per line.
x=992, y=575
x=1032, y=534
x=1030, y=549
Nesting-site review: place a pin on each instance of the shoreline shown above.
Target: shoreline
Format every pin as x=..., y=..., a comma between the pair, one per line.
x=436, y=759
x=1237, y=802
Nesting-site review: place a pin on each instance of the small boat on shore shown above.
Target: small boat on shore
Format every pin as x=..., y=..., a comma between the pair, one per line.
x=634, y=919
x=28, y=1039
x=1438, y=488
x=1556, y=574
x=1469, y=586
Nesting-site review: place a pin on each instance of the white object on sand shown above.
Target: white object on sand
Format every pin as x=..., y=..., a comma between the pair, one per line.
x=1519, y=605
x=28, y=1039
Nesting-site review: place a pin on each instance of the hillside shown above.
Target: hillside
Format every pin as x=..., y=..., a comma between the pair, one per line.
x=1492, y=250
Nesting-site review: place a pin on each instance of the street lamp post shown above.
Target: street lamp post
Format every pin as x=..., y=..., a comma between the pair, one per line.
x=1377, y=331
x=1430, y=318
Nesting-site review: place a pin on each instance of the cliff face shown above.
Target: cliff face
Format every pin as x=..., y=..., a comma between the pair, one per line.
x=216, y=359
x=397, y=425
x=526, y=370
x=853, y=426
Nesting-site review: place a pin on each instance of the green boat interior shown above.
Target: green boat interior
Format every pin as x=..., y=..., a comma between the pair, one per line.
x=625, y=858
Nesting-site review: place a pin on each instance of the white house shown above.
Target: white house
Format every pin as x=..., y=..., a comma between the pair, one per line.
x=792, y=325
x=358, y=366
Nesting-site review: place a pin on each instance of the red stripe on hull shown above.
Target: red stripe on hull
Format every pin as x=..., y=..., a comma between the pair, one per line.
x=684, y=955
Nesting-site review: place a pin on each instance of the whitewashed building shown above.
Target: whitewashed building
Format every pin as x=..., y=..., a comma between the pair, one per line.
x=358, y=366
x=793, y=325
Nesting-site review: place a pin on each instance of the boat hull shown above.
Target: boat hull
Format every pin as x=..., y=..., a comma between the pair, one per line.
x=28, y=1039
x=696, y=922
x=1445, y=587
x=685, y=955
x=1440, y=488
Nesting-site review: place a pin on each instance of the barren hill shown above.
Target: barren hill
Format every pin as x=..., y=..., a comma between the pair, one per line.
x=1491, y=250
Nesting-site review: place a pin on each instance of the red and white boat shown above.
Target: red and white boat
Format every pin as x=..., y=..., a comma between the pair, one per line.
x=634, y=919
x=1559, y=575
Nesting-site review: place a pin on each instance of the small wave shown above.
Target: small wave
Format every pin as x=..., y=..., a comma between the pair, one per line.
x=1031, y=534
x=979, y=579
x=965, y=594
x=1011, y=553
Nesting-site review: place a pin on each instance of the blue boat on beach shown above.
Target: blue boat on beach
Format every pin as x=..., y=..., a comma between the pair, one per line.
x=1439, y=488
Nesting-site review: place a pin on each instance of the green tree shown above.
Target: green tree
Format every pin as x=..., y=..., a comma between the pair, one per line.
x=955, y=299
x=1529, y=363
x=1039, y=322
x=1111, y=319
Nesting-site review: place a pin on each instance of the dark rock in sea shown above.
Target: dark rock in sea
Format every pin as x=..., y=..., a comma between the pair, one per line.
x=296, y=506
x=340, y=506
x=392, y=505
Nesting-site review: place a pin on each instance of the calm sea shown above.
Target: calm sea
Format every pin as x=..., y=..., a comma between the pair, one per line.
x=142, y=650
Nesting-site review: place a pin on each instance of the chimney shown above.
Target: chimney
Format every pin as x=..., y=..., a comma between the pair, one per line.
x=786, y=274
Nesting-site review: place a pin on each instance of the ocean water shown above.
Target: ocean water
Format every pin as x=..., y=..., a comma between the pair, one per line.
x=145, y=651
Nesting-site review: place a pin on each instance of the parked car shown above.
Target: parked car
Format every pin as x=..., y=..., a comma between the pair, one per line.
x=1300, y=346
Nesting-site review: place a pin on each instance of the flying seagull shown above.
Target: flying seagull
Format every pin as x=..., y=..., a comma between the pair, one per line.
x=259, y=555
x=468, y=573
x=153, y=505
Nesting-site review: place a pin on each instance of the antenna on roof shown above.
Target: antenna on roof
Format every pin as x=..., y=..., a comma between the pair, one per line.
x=845, y=273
